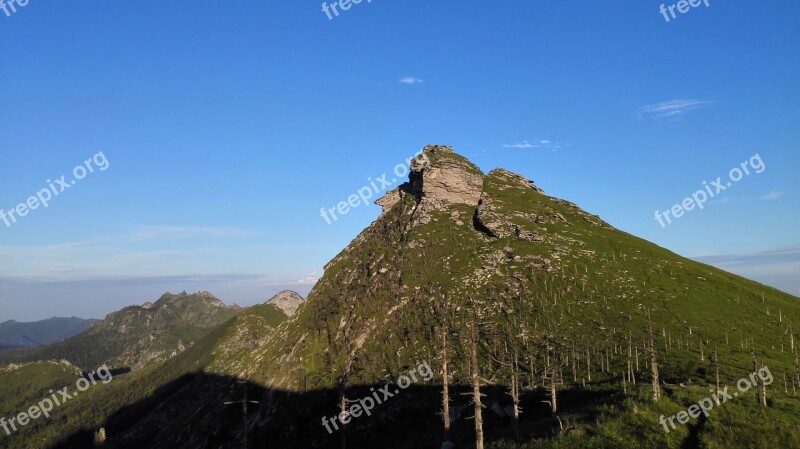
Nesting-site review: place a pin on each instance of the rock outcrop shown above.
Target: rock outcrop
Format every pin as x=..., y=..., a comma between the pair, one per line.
x=288, y=301
x=438, y=178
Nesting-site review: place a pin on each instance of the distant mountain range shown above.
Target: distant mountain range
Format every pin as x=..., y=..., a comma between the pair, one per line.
x=14, y=334
x=137, y=336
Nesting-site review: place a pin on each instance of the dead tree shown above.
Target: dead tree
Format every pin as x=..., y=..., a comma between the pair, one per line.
x=653, y=362
x=755, y=369
x=797, y=370
x=763, y=391
x=716, y=374
x=574, y=364
x=514, y=393
x=476, y=388
x=631, y=374
x=588, y=366
x=445, y=389
x=244, y=402
x=553, y=393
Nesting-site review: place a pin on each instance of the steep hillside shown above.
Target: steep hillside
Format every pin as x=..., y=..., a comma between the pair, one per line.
x=546, y=296
x=139, y=406
x=545, y=283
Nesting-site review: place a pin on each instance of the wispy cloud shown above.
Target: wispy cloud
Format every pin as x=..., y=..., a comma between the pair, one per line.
x=544, y=143
x=523, y=144
x=410, y=80
x=779, y=267
x=310, y=279
x=672, y=109
x=148, y=233
x=771, y=196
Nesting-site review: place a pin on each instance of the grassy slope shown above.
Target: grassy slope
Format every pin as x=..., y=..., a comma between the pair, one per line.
x=221, y=350
x=597, y=291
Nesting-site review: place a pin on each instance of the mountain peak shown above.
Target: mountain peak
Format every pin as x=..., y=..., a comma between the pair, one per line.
x=168, y=298
x=288, y=301
x=439, y=178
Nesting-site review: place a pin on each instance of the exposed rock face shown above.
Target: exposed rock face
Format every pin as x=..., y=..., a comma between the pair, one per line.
x=513, y=178
x=288, y=301
x=438, y=178
x=445, y=179
x=391, y=198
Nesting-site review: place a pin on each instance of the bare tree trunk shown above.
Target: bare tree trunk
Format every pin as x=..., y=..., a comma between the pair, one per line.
x=343, y=410
x=553, y=393
x=797, y=369
x=653, y=362
x=631, y=375
x=476, y=390
x=763, y=393
x=445, y=389
x=574, y=364
x=515, y=394
x=589, y=367
x=716, y=374
x=755, y=369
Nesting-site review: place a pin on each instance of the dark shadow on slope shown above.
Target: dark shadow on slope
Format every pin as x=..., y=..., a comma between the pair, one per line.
x=200, y=410
x=692, y=441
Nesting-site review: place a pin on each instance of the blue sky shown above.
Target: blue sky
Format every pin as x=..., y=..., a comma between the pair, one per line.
x=227, y=126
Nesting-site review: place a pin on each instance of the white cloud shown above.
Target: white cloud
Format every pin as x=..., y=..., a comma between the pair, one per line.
x=672, y=109
x=523, y=144
x=543, y=143
x=309, y=279
x=772, y=196
x=147, y=233
x=410, y=80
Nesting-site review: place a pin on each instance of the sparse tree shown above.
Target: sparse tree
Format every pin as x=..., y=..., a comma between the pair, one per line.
x=755, y=368
x=716, y=374
x=445, y=388
x=476, y=387
x=653, y=362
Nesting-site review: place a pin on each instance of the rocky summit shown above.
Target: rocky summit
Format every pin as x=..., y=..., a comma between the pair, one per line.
x=288, y=301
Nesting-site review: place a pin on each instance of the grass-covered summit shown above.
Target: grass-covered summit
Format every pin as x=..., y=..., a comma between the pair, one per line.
x=546, y=283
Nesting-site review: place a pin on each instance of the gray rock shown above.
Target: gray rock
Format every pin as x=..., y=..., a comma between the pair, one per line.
x=288, y=301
